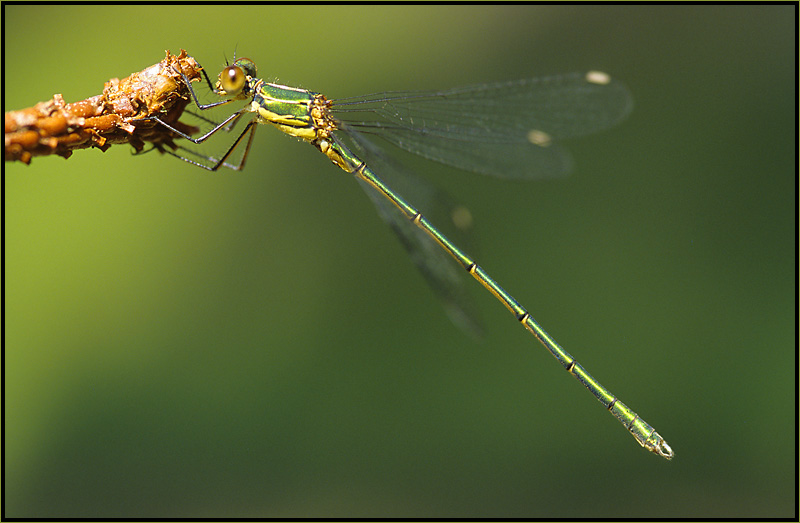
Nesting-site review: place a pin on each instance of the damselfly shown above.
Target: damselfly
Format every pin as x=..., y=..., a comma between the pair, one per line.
x=503, y=129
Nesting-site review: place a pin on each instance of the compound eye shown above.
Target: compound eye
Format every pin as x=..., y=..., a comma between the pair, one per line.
x=232, y=79
x=247, y=65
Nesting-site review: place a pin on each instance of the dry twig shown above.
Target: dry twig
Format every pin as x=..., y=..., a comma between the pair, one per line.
x=56, y=127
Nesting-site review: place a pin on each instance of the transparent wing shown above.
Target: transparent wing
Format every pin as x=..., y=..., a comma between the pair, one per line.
x=506, y=129
x=440, y=271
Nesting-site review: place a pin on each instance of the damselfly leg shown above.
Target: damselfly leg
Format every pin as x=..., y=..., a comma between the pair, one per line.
x=226, y=125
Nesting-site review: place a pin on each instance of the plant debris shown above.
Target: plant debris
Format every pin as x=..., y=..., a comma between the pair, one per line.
x=56, y=127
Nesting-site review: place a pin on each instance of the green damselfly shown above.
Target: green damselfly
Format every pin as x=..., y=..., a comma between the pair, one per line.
x=503, y=129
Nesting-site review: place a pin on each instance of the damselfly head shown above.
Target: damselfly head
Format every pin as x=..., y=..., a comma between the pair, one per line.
x=235, y=77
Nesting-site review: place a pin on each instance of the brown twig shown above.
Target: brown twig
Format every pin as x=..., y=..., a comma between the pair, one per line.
x=56, y=127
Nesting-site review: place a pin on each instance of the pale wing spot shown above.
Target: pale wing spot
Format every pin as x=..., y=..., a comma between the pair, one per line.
x=598, y=77
x=461, y=217
x=540, y=138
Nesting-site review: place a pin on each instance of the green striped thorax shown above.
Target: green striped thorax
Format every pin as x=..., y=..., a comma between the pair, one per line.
x=296, y=112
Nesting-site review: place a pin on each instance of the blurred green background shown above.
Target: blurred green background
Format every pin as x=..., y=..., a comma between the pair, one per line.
x=189, y=344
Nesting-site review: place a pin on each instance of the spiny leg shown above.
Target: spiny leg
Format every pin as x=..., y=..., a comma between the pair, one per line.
x=251, y=128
